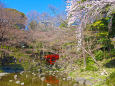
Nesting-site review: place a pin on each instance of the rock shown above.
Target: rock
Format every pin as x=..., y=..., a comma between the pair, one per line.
x=88, y=83
x=41, y=75
x=3, y=74
x=64, y=79
x=40, y=70
x=91, y=78
x=80, y=80
x=33, y=74
x=69, y=78
x=15, y=77
x=53, y=74
x=22, y=83
x=48, y=84
x=17, y=82
x=104, y=80
x=99, y=79
x=21, y=72
x=104, y=72
x=43, y=78
x=10, y=80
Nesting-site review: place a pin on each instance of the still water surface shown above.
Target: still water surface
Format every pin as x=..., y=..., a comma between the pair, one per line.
x=29, y=79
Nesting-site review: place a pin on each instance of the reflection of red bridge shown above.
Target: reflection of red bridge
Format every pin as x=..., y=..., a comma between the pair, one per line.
x=51, y=80
x=52, y=58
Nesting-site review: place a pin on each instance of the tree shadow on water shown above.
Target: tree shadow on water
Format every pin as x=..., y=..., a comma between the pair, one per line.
x=110, y=64
x=11, y=68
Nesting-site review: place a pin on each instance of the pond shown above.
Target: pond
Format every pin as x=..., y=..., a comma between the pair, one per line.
x=34, y=79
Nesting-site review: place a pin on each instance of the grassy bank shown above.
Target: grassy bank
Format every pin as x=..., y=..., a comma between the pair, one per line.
x=98, y=77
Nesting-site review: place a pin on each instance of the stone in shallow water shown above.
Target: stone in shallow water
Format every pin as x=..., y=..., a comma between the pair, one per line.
x=21, y=72
x=10, y=80
x=17, y=82
x=53, y=74
x=48, y=84
x=15, y=77
x=64, y=78
x=3, y=74
x=43, y=78
x=33, y=74
x=22, y=83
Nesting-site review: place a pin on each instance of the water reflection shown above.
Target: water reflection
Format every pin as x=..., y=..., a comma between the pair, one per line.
x=28, y=79
x=51, y=80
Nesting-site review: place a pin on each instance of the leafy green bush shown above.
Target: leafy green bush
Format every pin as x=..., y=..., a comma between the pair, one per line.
x=30, y=46
x=99, y=55
x=90, y=64
x=102, y=34
x=91, y=68
x=112, y=53
x=110, y=81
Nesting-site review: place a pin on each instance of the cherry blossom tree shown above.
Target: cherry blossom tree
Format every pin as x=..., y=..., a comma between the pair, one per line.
x=83, y=12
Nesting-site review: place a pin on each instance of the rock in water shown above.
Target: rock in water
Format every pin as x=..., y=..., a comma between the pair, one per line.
x=64, y=79
x=22, y=83
x=48, y=84
x=43, y=78
x=10, y=80
x=2, y=74
x=21, y=72
x=17, y=82
x=15, y=77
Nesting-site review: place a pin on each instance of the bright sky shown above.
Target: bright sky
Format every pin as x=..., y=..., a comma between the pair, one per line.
x=38, y=5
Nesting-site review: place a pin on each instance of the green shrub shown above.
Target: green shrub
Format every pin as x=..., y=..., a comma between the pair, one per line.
x=110, y=81
x=112, y=53
x=91, y=68
x=99, y=55
x=30, y=46
x=90, y=64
